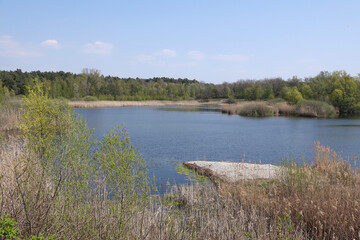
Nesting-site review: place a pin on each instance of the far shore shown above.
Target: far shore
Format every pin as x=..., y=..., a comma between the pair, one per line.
x=101, y=104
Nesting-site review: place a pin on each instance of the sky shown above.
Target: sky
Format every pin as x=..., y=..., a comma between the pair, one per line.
x=207, y=40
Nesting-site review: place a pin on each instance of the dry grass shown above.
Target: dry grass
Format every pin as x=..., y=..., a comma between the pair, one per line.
x=99, y=104
x=276, y=108
x=323, y=199
x=10, y=114
x=250, y=108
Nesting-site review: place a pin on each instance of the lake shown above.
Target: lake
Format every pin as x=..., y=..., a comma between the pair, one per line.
x=169, y=136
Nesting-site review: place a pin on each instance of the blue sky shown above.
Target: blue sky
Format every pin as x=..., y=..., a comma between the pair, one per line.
x=211, y=41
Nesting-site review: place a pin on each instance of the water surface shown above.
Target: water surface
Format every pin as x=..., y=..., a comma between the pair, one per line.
x=168, y=136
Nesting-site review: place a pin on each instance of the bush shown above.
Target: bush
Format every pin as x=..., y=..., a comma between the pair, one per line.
x=293, y=96
x=56, y=175
x=310, y=108
x=230, y=100
x=90, y=98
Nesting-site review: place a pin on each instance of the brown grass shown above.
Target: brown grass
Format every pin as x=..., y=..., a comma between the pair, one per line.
x=10, y=114
x=250, y=108
x=282, y=108
x=99, y=104
x=323, y=198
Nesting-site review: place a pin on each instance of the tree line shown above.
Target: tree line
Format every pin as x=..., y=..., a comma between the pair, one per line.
x=337, y=88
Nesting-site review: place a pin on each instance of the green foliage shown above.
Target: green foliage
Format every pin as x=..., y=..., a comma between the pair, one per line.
x=268, y=93
x=42, y=121
x=4, y=93
x=345, y=92
x=190, y=174
x=121, y=168
x=230, y=100
x=293, y=96
x=306, y=91
x=8, y=231
x=65, y=169
x=90, y=85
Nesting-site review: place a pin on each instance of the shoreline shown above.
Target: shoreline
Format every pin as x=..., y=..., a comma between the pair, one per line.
x=100, y=104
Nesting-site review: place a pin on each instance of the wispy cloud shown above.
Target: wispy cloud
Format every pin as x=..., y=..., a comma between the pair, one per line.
x=50, y=43
x=12, y=48
x=196, y=55
x=230, y=57
x=98, y=47
x=166, y=53
x=157, y=57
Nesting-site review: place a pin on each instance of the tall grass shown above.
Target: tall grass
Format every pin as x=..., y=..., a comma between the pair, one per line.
x=10, y=113
x=310, y=108
x=250, y=109
x=305, y=108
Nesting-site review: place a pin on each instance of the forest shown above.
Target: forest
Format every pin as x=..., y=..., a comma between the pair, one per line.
x=337, y=88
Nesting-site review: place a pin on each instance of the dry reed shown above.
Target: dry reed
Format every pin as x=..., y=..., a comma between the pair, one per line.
x=99, y=104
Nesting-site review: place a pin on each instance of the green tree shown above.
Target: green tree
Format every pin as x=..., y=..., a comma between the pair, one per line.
x=293, y=96
x=344, y=92
x=42, y=121
x=306, y=91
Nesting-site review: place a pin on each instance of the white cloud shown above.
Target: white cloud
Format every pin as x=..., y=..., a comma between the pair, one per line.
x=50, y=43
x=98, y=47
x=197, y=55
x=230, y=57
x=157, y=58
x=11, y=48
x=166, y=53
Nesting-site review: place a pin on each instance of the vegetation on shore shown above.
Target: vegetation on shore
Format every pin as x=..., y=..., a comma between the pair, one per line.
x=305, y=108
x=99, y=104
x=58, y=182
x=337, y=88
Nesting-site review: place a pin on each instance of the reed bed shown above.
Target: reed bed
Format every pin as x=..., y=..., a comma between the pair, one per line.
x=10, y=114
x=250, y=109
x=99, y=104
x=265, y=109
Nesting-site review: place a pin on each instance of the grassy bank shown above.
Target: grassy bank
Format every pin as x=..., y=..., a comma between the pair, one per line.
x=280, y=108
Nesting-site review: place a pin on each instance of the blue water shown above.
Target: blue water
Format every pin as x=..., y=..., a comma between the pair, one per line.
x=168, y=136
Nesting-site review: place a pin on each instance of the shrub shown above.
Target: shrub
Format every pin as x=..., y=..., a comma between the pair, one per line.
x=230, y=100
x=293, y=96
x=56, y=175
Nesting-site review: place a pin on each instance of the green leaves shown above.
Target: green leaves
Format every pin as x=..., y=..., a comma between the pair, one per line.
x=121, y=168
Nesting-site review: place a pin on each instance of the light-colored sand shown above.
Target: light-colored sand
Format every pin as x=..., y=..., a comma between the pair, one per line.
x=98, y=104
x=233, y=171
